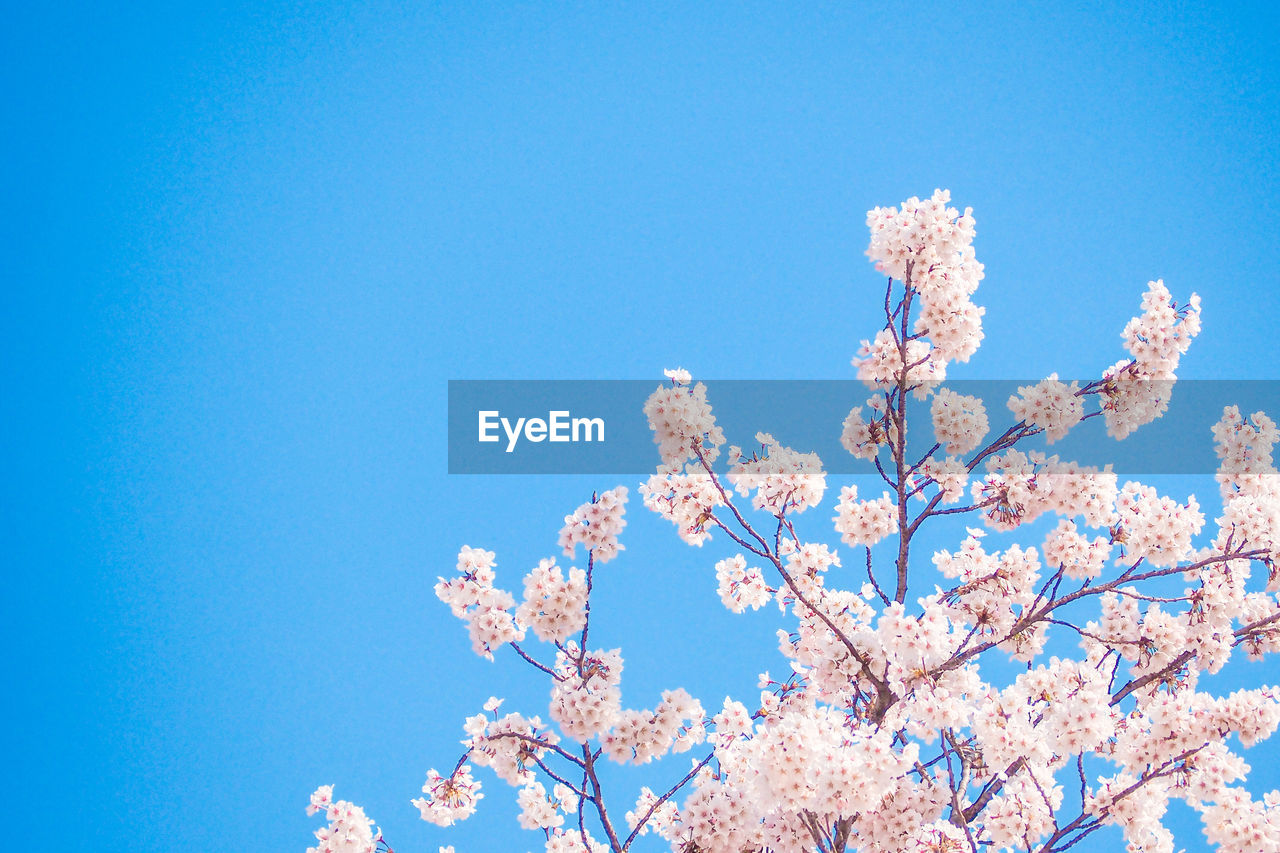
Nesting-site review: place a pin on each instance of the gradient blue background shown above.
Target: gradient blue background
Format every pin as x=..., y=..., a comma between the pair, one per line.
x=245, y=246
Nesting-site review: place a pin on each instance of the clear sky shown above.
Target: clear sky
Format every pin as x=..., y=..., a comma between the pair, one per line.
x=245, y=245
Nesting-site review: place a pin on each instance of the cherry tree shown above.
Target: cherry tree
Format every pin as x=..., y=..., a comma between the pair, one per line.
x=885, y=735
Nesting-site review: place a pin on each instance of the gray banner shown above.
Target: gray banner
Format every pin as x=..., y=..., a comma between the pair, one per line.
x=599, y=426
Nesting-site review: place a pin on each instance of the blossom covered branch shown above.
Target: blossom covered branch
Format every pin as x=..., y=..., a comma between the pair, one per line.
x=887, y=736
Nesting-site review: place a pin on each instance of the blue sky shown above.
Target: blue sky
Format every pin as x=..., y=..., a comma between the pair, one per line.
x=246, y=246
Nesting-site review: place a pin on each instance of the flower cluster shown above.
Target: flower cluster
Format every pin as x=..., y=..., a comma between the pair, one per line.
x=1051, y=405
x=1138, y=391
x=510, y=745
x=1078, y=556
x=641, y=736
x=651, y=815
x=865, y=522
x=682, y=423
x=884, y=361
x=595, y=525
x=806, y=759
x=864, y=438
x=993, y=590
x=741, y=587
x=485, y=608
x=782, y=479
x=959, y=421
x=538, y=810
x=555, y=608
x=1250, y=485
x=1162, y=334
x=585, y=698
x=449, y=798
x=949, y=473
x=1020, y=487
x=929, y=247
x=685, y=497
x=349, y=829
x=1153, y=528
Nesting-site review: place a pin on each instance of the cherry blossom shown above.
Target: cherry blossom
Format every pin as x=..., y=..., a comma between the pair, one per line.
x=596, y=525
x=899, y=725
x=349, y=829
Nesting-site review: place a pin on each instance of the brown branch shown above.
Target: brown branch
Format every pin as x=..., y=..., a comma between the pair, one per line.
x=1138, y=683
x=668, y=795
x=548, y=670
